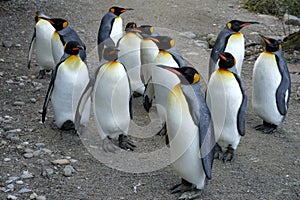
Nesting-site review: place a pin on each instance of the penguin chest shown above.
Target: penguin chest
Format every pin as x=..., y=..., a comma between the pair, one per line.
x=57, y=47
x=44, y=32
x=184, y=139
x=224, y=98
x=236, y=46
x=266, y=79
x=111, y=99
x=71, y=79
x=149, y=51
x=165, y=58
x=117, y=29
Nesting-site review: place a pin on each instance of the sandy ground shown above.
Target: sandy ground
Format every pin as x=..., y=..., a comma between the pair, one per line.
x=265, y=167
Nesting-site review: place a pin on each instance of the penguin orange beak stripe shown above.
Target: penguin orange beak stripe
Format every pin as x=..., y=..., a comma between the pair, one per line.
x=125, y=10
x=222, y=57
x=265, y=39
x=248, y=23
x=154, y=39
x=174, y=71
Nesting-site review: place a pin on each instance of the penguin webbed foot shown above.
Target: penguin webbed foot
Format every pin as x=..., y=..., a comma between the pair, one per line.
x=182, y=187
x=190, y=194
x=125, y=143
x=228, y=156
x=108, y=146
x=163, y=130
x=42, y=74
x=68, y=125
x=266, y=127
x=147, y=103
x=218, y=154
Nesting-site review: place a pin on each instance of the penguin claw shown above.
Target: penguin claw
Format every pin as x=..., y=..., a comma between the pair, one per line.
x=266, y=128
x=125, y=143
x=108, y=146
x=163, y=130
x=147, y=103
x=228, y=156
x=218, y=152
x=190, y=194
x=42, y=74
x=184, y=186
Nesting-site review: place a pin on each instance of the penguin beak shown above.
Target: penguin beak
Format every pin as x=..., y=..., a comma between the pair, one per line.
x=126, y=9
x=221, y=56
x=79, y=47
x=248, y=23
x=266, y=40
x=115, y=51
x=153, y=39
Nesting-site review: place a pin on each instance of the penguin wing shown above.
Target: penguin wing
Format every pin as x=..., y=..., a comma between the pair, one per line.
x=202, y=118
x=241, y=118
x=49, y=91
x=32, y=43
x=69, y=34
x=284, y=89
x=219, y=47
x=105, y=27
x=131, y=96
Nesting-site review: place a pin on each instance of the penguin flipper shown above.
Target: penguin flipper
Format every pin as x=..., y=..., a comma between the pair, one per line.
x=148, y=95
x=202, y=118
x=284, y=89
x=49, y=92
x=32, y=43
x=241, y=118
x=219, y=47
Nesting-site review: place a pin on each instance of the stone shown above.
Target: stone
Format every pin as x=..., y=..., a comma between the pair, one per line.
x=18, y=103
x=28, y=155
x=40, y=198
x=68, y=170
x=24, y=190
x=12, y=197
x=189, y=35
x=19, y=182
x=7, y=44
x=291, y=20
x=7, y=159
x=60, y=162
x=26, y=175
x=33, y=196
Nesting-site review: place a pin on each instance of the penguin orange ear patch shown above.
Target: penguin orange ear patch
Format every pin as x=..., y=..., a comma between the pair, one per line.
x=229, y=25
x=112, y=10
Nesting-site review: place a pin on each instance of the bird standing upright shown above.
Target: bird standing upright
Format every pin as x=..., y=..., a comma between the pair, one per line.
x=231, y=40
x=271, y=86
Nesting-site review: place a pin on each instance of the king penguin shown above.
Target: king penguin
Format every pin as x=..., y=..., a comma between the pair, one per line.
x=65, y=33
x=69, y=79
x=111, y=28
x=111, y=101
x=190, y=132
x=227, y=102
x=231, y=40
x=271, y=86
x=41, y=41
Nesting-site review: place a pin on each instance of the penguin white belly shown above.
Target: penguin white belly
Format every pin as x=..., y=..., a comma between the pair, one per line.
x=236, y=46
x=71, y=79
x=57, y=47
x=184, y=139
x=224, y=98
x=117, y=30
x=129, y=56
x=165, y=58
x=111, y=100
x=44, y=32
x=266, y=79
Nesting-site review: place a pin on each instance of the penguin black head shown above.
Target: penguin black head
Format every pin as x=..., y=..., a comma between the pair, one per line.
x=38, y=15
x=130, y=25
x=146, y=29
x=272, y=45
x=187, y=75
x=237, y=25
x=110, y=53
x=73, y=47
x=118, y=10
x=164, y=42
x=58, y=23
x=226, y=60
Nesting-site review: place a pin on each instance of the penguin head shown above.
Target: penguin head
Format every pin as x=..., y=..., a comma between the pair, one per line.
x=226, y=60
x=58, y=23
x=146, y=30
x=187, y=75
x=272, y=45
x=118, y=10
x=110, y=53
x=130, y=25
x=40, y=15
x=237, y=25
x=73, y=47
x=164, y=42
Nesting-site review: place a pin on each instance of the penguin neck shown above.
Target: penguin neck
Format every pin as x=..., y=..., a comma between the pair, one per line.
x=65, y=30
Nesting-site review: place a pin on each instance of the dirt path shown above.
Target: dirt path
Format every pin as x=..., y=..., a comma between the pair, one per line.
x=266, y=166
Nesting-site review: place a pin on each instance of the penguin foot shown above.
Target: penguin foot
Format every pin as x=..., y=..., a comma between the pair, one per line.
x=125, y=143
x=182, y=187
x=228, y=156
x=218, y=152
x=163, y=130
x=147, y=103
x=136, y=94
x=108, y=146
x=266, y=127
x=68, y=125
x=42, y=74
x=191, y=194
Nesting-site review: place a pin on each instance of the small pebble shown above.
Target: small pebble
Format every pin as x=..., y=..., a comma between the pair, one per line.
x=11, y=197
x=6, y=159
x=28, y=155
x=40, y=144
x=24, y=190
x=7, y=44
x=19, y=103
x=68, y=170
x=19, y=182
x=32, y=100
x=11, y=187
x=33, y=196
x=60, y=162
x=26, y=175
x=40, y=198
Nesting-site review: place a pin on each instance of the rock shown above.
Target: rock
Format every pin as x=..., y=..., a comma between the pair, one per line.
x=32, y=100
x=6, y=159
x=12, y=197
x=19, y=182
x=28, y=155
x=47, y=172
x=291, y=20
x=24, y=190
x=60, y=162
x=40, y=144
x=11, y=187
x=18, y=103
x=26, y=175
x=37, y=153
x=7, y=44
x=40, y=198
x=33, y=196
x=68, y=170
x=189, y=35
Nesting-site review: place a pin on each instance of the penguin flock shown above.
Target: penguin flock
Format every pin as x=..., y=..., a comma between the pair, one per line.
x=136, y=61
